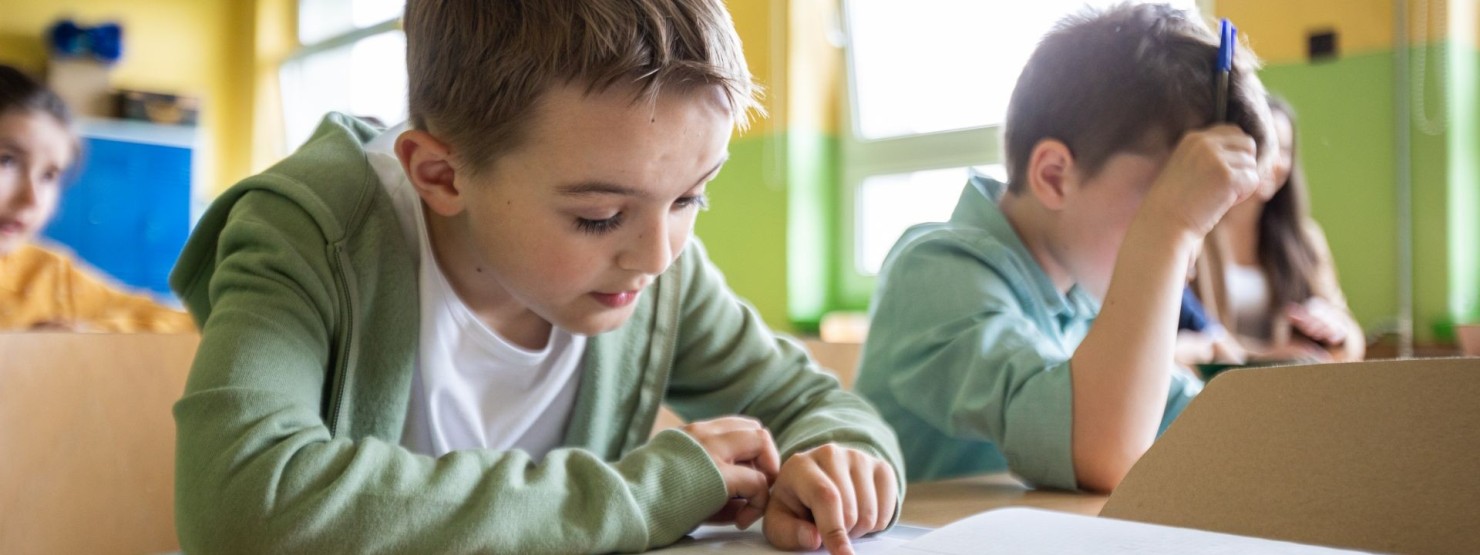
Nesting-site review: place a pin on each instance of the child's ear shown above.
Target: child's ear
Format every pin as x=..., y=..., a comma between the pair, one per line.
x=1050, y=167
x=428, y=164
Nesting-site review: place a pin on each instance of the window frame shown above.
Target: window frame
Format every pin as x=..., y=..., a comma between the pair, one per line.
x=348, y=38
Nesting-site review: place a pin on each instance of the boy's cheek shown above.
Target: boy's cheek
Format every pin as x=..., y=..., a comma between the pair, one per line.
x=1100, y=268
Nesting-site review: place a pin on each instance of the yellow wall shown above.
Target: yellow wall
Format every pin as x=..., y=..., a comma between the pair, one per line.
x=1277, y=29
x=756, y=22
x=193, y=47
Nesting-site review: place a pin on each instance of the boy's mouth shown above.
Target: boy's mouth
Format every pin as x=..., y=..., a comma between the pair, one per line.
x=618, y=299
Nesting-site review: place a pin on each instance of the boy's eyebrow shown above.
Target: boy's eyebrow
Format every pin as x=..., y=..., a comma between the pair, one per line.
x=586, y=188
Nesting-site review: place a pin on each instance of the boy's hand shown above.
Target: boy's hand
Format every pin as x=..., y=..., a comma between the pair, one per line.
x=1210, y=171
x=747, y=458
x=1193, y=348
x=829, y=494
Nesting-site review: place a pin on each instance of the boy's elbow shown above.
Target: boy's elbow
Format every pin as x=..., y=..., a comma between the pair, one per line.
x=211, y=517
x=1101, y=470
x=1100, y=480
x=212, y=531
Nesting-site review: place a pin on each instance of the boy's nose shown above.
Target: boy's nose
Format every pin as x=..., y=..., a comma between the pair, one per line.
x=649, y=252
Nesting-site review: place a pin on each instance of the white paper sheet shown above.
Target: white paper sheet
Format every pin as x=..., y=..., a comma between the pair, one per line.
x=1019, y=530
x=727, y=539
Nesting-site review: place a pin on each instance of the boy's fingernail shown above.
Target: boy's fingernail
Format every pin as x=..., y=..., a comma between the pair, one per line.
x=804, y=537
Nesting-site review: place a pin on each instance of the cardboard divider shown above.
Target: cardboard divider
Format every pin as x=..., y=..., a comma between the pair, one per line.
x=87, y=441
x=1381, y=456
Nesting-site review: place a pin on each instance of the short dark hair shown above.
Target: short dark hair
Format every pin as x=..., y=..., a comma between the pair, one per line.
x=477, y=68
x=1130, y=78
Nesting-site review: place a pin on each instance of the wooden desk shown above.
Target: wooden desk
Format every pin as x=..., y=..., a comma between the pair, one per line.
x=87, y=442
x=936, y=504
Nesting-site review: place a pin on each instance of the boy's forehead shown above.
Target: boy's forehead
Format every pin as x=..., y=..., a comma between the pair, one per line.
x=578, y=95
x=583, y=136
x=623, y=109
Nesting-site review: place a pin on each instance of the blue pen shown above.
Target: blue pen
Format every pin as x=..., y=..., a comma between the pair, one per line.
x=1227, y=41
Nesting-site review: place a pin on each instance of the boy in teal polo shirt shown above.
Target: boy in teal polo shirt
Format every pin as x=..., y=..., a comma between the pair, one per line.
x=990, y=348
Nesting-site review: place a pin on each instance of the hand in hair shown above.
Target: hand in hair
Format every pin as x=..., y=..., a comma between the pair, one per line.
x=828, y=494
x=1208, y=172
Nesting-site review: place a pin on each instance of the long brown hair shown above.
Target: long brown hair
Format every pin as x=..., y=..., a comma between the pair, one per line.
x=1285, y=251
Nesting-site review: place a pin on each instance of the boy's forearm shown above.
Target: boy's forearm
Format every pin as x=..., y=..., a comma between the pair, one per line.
x=1122, y=369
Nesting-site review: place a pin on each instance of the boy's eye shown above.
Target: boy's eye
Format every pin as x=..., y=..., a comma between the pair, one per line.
x=598, y=227
x=692, y=201
x=6, y=160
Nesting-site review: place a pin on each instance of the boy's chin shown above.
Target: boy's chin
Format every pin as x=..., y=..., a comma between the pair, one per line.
x=597, y=323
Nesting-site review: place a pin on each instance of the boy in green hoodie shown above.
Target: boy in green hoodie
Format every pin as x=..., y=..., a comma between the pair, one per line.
x=454, y=335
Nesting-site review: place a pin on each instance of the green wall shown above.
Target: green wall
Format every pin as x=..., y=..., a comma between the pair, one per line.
x=1345, y=118
x=745, y=226
x=771, y=225
x=1347, y=145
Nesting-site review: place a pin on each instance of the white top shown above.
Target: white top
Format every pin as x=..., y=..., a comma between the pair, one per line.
x=1248, y=298
x=473, y=389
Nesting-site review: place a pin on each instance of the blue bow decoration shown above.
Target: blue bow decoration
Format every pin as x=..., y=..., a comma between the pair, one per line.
x=103, y=42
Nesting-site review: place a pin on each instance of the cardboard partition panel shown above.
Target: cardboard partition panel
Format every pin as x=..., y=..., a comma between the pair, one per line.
x=87, y=441
x=1379, y=456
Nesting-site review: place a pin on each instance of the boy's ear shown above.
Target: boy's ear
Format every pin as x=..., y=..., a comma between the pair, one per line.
x=428, y=164
x=1050, y=167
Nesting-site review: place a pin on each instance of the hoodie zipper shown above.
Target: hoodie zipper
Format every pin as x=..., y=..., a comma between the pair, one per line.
x=346, y=336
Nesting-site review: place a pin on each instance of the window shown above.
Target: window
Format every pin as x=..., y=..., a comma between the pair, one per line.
x=321, y=20
x=892, y=203
x=922, y=110
x=353, y=61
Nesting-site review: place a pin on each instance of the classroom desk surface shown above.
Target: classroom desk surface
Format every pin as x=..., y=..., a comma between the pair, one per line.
x=927, y=505
x=935, y=504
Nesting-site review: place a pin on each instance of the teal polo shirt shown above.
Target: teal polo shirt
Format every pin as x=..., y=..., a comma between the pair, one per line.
x=968, y=350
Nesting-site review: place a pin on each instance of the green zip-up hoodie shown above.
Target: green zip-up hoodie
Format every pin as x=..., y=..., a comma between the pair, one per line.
x=289, y=430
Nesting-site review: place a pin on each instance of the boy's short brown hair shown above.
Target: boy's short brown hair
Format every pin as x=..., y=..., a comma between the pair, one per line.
x=1131, y=78
x=477, y=68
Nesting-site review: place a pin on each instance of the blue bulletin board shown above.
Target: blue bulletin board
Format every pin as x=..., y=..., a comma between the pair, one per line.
x=128, y=212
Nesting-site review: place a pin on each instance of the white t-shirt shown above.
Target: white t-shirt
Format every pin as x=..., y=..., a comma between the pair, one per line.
x=1248, y=298
x=473, y=389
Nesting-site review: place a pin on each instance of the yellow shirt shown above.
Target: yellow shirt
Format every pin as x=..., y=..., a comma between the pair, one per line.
x=42, y=288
